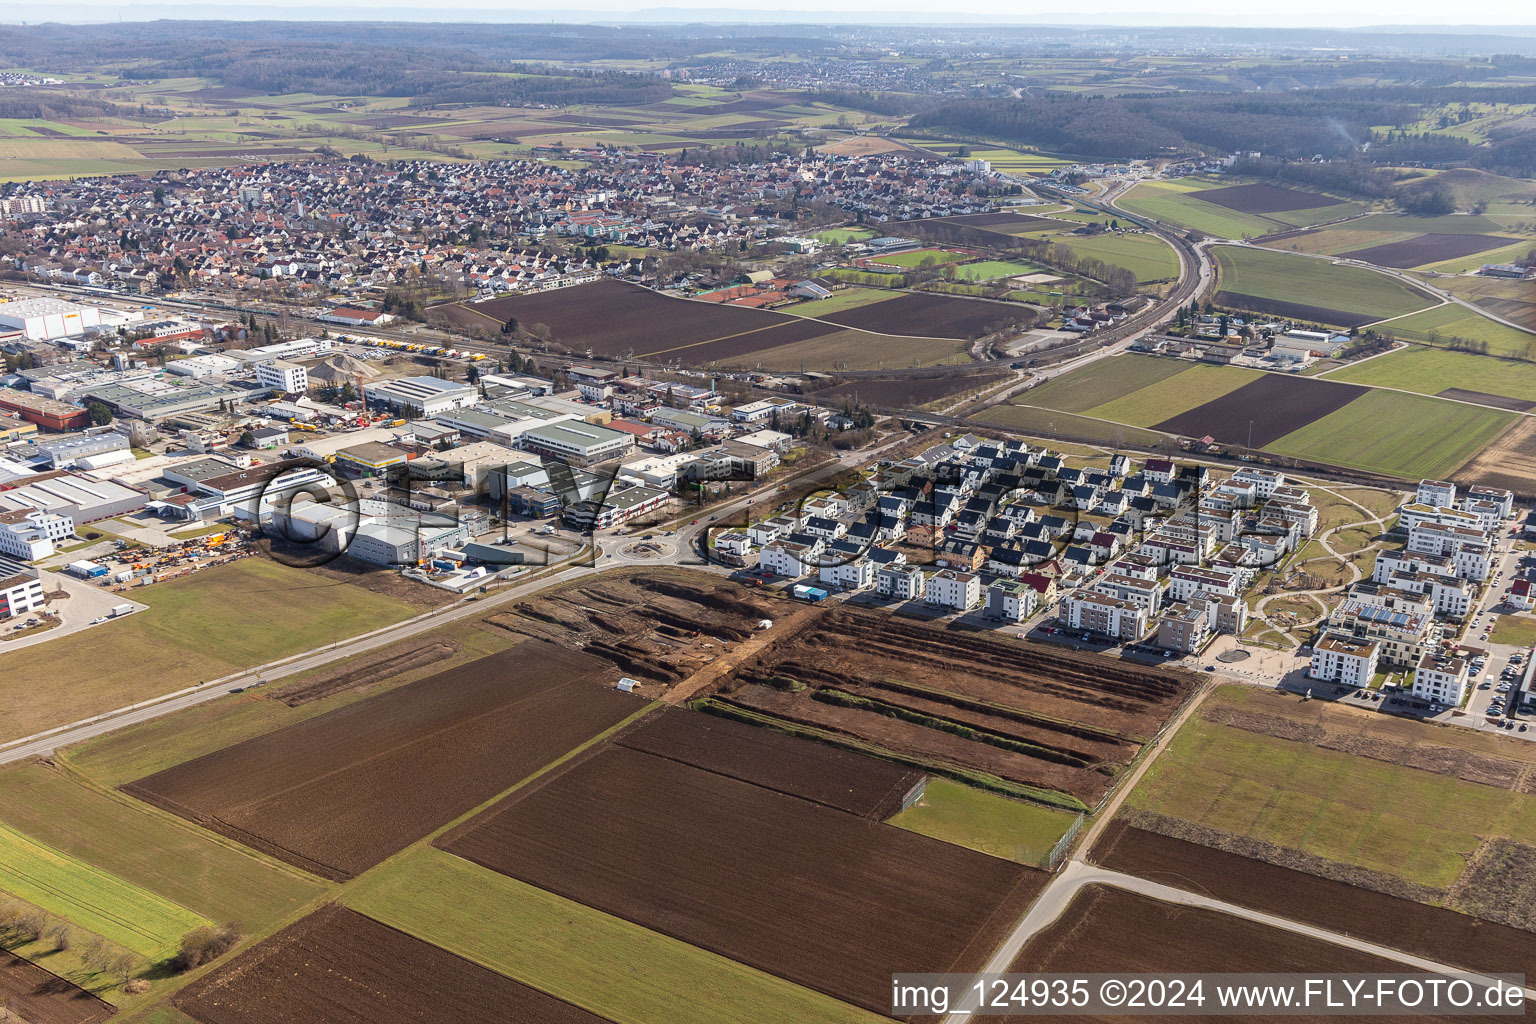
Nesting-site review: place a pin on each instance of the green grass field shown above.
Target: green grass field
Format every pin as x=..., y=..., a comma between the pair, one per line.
x=150, y=849
x=840, y=236
x=609, y=966
x=1101, y=382
x=1316, y=283
x=1177, y=203
x=1407, y=436
x=991, y=270
x=1442, y=324
x=1519, y=630
x=1192, y=387
x=987, y=822
x=1402, y=821
x=1146, y=256
x=1430, y=371
x=1049, y=422
x=93, y=899
x=199, y=627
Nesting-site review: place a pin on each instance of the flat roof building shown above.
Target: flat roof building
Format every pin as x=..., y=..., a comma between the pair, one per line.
x=421, y=397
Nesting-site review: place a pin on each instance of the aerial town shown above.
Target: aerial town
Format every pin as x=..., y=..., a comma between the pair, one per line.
x=675, y=523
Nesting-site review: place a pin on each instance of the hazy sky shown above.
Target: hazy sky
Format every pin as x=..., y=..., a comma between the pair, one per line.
x=1321, y=13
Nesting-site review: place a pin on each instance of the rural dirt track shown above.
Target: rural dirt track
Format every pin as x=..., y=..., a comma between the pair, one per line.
x=337, y=965
x=338, y=793
x=820, y=897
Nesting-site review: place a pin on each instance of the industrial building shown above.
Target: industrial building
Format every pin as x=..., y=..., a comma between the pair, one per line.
x=580, y=444
x=46, y=319
x=300, y=348
x=81, y=498
x=32, y=534
x=223, y=489
x=45, y=412
x=281, y=375
x=420, y=397
x=20, y=594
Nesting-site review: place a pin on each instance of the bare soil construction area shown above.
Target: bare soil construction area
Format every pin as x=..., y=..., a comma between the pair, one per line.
x=338, y=793
x=1041, y=717
x=820, y=897
x=36, y=996
x=1274, y=404
x=336, y=965
x=659, y=628
x=1432, y=932
x=822, y=774
x=1123, y=932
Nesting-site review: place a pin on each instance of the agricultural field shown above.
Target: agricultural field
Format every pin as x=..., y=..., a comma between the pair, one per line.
x=215, y=622
x=1310, y=289
x=1192, y=386
x=986, y=822
x=1396, y=434
x=1102, y=382
x=336, y=794
x=1428, y=250
x=1232, y=211
x=1443, y=324
x=1511, y=300
x=1268, y=407
x=91, y=899
x=1500, y=382
x=338, y=958
x=1027, y=419
x=148, y=850
x=610, y=966
x=909, y=391
x=626, y=321
x=1145, y=255
x=1509, y=461
x=811, y=894
x=1026, y=720
x=1436, y=816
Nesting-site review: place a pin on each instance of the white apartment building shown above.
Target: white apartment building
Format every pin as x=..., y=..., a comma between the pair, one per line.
x=1504, y=499
x=1100, y=613
x=1184, y=580
x=1468, y=549
x=284, y=376
x=1440, y=679
x=30, y=535
x=1264, y=480
x=951, y=588
x=900, y=582
x=1343, y=660
x=1010, y=601
x=1439, y=493
x=1145, y=594
x=1414, y=515
x=855, y=574
x=790, y=559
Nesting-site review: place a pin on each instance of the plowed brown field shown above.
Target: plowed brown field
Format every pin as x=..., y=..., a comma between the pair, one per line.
x=1113, y=931
x=339, y=967
x=1264, y=198
x=1274, y=405
x=1442, y=935
x=338, y=793
x=932, y=316
x=819, y=897
x=812, y=771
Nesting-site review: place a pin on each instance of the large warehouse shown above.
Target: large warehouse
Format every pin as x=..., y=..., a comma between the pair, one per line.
x=48, y=319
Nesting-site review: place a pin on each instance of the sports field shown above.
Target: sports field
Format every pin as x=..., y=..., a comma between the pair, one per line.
x=605, y=964
x=1397, y=434
x=150, y=850
x=1443, y=324
x=991, y=270
x=1145, y=255
x=1311, y=289
x=986, y=822
x=199, y=627
x=839, y=236
x=1430, y=371
x=90, y=898
x=846, y=298
x=1368, y=812
x=919, y=258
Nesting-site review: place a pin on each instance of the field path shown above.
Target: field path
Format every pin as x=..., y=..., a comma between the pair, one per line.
x=783, y=629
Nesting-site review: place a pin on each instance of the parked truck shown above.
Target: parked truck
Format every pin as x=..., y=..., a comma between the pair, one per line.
x=119, y=610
